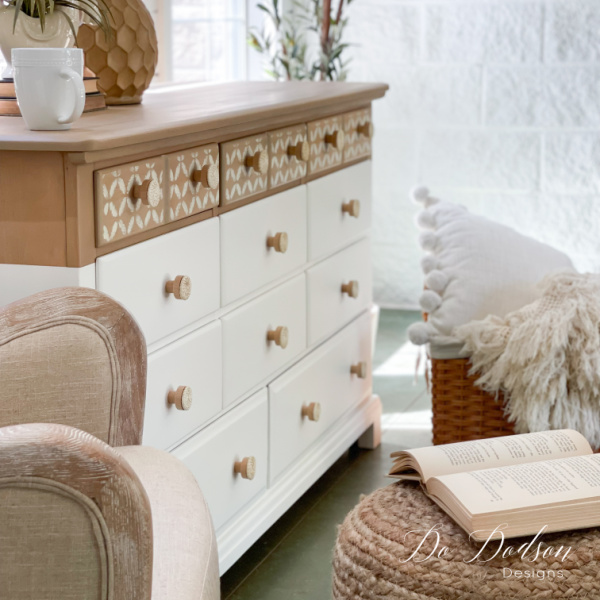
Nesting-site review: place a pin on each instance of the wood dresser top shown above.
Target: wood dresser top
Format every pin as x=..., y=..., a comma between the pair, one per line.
x=190, y=109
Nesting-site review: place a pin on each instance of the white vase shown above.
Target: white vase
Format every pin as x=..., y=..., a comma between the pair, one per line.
x=28, y=32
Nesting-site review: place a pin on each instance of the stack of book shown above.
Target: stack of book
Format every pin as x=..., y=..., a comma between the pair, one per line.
x=94, y=98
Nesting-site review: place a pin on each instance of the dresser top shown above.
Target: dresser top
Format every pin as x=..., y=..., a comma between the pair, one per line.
x=180, y=110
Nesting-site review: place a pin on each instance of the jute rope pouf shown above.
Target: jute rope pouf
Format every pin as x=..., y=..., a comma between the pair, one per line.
x=372, y=557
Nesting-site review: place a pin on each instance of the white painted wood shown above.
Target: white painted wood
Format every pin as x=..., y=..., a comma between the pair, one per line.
x=211, y=456
x=136, y=277
x=248, y=357
x=323, y=377
x=249, y=524
x=193, y=361
x=19, y=281
x=329, y=308
x=329, y=229
x=246, y=261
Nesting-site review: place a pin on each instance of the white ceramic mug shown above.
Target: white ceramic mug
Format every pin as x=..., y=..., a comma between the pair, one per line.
x=49, y=86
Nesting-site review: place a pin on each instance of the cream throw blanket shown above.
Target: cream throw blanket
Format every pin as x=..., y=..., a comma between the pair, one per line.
x=545, y=357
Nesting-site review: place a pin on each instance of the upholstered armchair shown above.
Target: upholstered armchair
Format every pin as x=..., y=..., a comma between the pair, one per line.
x=86, y=513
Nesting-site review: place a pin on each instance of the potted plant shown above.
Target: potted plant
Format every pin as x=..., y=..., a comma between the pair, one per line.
x=46, y=23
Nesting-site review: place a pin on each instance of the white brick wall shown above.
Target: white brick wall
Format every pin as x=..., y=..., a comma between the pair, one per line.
x=494, y=104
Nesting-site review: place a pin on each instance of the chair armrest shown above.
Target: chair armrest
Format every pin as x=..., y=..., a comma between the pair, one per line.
x=185, y=551
x=75, y=474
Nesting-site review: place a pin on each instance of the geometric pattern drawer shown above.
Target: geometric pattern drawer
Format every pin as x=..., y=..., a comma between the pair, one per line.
x=326, y=139
x=129, y=199
x=193, y=181
x=358, y=130
x=289, y=153
x=244, y=168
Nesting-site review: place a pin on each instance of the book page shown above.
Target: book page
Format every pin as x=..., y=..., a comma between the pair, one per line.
x=497, y=452
x=523, y=486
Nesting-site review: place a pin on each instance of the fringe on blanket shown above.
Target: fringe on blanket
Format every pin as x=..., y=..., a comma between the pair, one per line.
x=545, y=357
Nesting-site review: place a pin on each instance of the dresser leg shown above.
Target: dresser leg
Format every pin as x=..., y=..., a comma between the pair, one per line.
x=371, y=438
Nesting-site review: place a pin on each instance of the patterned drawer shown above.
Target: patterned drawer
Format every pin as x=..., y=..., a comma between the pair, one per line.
x=193, y=181
x=289, y=153
x=244, y=168
x=308, y=398
x=129, y=199
x=326, y=139
x=358, y=131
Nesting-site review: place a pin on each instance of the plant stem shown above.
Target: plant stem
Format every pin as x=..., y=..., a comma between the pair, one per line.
x=325, y=35
x=338, y=17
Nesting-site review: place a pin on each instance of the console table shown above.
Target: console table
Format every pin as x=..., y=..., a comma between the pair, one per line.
x=233, y=222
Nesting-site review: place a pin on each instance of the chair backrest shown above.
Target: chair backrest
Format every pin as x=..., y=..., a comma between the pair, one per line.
x=76, y=357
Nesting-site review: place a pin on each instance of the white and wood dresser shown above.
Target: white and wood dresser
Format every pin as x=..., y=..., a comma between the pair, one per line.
x=233, y=222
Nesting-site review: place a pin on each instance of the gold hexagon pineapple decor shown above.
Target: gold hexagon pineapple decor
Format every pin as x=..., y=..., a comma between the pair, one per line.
x=125, y=63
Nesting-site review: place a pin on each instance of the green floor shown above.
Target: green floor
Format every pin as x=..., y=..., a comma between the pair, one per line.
x=292, y=561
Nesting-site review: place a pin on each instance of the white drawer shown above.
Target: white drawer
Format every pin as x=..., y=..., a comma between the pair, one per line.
x=329, y=227
x=194, y=363
x=211, y=456
x=137, y=276
x=248, y=356
x=247, y=262
x=324, y=377
x=329, y=308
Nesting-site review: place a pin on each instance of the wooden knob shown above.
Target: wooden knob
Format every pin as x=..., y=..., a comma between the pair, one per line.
x=350, y=288
x=207, y=176
x=365, y=129
x=301, y=150
x=359, y=369
x=181, y=397
x=312, y=411
x=352, y=208
x=148, y=192
x=259, y=162
x=336, y=139
x=280, y=336
x=180, y=287
x=246, y=467
x=279, y=242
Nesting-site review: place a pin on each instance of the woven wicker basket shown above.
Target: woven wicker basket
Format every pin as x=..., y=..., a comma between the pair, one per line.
x=461, y=410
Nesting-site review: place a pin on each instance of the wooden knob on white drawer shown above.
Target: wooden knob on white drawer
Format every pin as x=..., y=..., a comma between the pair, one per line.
x=148, y=192
x=350, y=288
x=301, y=150
x=246, y=467
x=207, y=176
x=259, y=162
x=336, y=139
x=279, y=242
x=352, y=208
x=312, y=411
x=280, y=336
x=360, y=369
x=365, y=129
x=181, y=397
x=180, y=287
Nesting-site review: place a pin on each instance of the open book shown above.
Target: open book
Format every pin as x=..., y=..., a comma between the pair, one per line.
x=510, y=486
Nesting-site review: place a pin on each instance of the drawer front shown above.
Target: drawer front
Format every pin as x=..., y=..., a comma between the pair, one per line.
x=358, y=131
x=247, y=261
x=193, y=181
x=119, y=213
x=325, y=378
x=329, y=306
x=211, y=456
x=288, y=153
x=188, y=369
x=325, y=154
x=137, y=278
x=244, y=168
x=333, y=221
x=248, y=355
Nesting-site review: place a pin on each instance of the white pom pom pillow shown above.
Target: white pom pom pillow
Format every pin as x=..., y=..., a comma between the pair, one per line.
x=473, y=268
